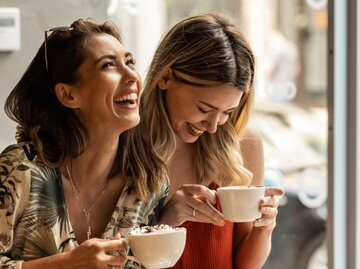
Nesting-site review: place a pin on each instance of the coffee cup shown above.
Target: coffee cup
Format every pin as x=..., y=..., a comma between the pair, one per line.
x=159, y=246
x=240, y=203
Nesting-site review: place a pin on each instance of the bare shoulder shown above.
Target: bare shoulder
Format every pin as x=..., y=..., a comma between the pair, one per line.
x=252, y=151
x=251, y=134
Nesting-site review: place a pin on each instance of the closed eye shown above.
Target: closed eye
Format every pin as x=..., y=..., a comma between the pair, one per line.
x=227, y=113
x=202, y=110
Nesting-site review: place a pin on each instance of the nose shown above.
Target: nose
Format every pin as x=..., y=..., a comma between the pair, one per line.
x=214, y=120
x=212, y=123
x=130, y=75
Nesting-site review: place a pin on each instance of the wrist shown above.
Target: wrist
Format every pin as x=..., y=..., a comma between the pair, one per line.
x=264, y=229
x=60, y=261
x=57, y=261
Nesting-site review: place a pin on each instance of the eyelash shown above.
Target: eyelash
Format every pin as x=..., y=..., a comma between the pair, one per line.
x=131, y=61
x=112, y=63
x=203, y=111
x=108, y=64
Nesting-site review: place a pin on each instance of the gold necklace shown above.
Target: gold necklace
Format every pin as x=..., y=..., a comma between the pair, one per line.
x=85, y=211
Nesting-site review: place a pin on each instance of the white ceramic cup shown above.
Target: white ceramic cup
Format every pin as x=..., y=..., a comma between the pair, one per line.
x=160, y=249
x=240, y=203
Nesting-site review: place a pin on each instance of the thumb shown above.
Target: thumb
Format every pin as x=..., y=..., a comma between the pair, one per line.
x=117, y=236
x=270, y=191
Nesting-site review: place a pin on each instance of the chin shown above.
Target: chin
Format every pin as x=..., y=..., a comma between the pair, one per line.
x=135, y=122
x=190, y=139
x=131, y=122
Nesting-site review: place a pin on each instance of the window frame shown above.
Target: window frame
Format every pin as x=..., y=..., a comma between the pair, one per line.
x=343, y=147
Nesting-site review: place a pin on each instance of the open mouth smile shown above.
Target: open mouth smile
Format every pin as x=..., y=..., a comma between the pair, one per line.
x=127, y=99
x=195, y=131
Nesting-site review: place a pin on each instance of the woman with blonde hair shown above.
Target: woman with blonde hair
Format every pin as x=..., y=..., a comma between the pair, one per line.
x=195, y=109
x=68, y=192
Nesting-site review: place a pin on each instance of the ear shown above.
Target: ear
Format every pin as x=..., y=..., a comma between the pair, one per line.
x=66, y=95
x=165, y=79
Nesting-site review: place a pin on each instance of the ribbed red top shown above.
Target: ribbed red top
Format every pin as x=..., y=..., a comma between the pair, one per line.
x=207, y=246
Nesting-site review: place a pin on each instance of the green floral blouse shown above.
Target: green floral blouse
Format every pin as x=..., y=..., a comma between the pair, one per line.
x=34, y=220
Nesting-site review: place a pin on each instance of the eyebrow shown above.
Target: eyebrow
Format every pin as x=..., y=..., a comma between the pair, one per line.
x=214, y=107
x=127, y=54
x=107, y=56
x=113, y=57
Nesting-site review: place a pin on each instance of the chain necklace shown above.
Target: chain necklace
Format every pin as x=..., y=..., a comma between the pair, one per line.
x=85, y=211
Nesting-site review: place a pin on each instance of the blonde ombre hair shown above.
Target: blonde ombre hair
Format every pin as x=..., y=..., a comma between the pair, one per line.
x=203, y=50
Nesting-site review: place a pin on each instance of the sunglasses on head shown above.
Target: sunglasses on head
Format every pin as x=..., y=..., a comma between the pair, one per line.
x=55, y=29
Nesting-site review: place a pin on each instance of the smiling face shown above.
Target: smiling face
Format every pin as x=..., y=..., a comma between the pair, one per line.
x=107, y=94
x=194, y=110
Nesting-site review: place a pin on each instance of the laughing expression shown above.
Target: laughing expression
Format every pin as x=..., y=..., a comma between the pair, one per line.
x=109, y=88
x=195, y=110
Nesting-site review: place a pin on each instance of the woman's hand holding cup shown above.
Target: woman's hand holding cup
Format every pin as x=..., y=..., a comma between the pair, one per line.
x=193, y=202
x=189, y=204
x=97, y=253
x=256, y=204
x=269, y=208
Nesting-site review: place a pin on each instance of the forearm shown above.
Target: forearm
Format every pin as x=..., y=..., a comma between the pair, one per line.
x=58, y=261
x=253, y=252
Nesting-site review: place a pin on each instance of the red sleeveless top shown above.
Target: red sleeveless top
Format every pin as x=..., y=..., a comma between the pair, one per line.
x=207, y=246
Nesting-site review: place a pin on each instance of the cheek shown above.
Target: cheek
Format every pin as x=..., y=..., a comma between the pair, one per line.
x=139, y=85
x=223, y=119
x=179, y=115
x=175, y=115
x=189, y=115
x=180, y=110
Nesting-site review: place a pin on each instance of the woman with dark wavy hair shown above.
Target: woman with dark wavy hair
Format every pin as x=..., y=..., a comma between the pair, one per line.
x=68, y=192
x=197, y=100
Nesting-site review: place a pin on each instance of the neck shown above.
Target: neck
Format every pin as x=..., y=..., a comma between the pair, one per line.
x=95, y=165
x=184, y=152
x=182, y=147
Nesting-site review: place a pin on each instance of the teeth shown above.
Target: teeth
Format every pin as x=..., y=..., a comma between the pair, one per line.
x=194, y=129
x=129, y=97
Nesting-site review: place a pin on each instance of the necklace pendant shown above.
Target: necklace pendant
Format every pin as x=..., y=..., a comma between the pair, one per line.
x=86, y=211
x=88, y=233
x=88, y=224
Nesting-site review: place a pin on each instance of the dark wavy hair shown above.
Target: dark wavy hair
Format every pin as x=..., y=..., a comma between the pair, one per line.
x=55, y=130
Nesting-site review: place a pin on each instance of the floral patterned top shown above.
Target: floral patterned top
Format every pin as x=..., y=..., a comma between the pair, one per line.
x=34, y=220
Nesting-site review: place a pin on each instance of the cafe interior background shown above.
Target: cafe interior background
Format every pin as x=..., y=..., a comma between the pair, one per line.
x=289, y=38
